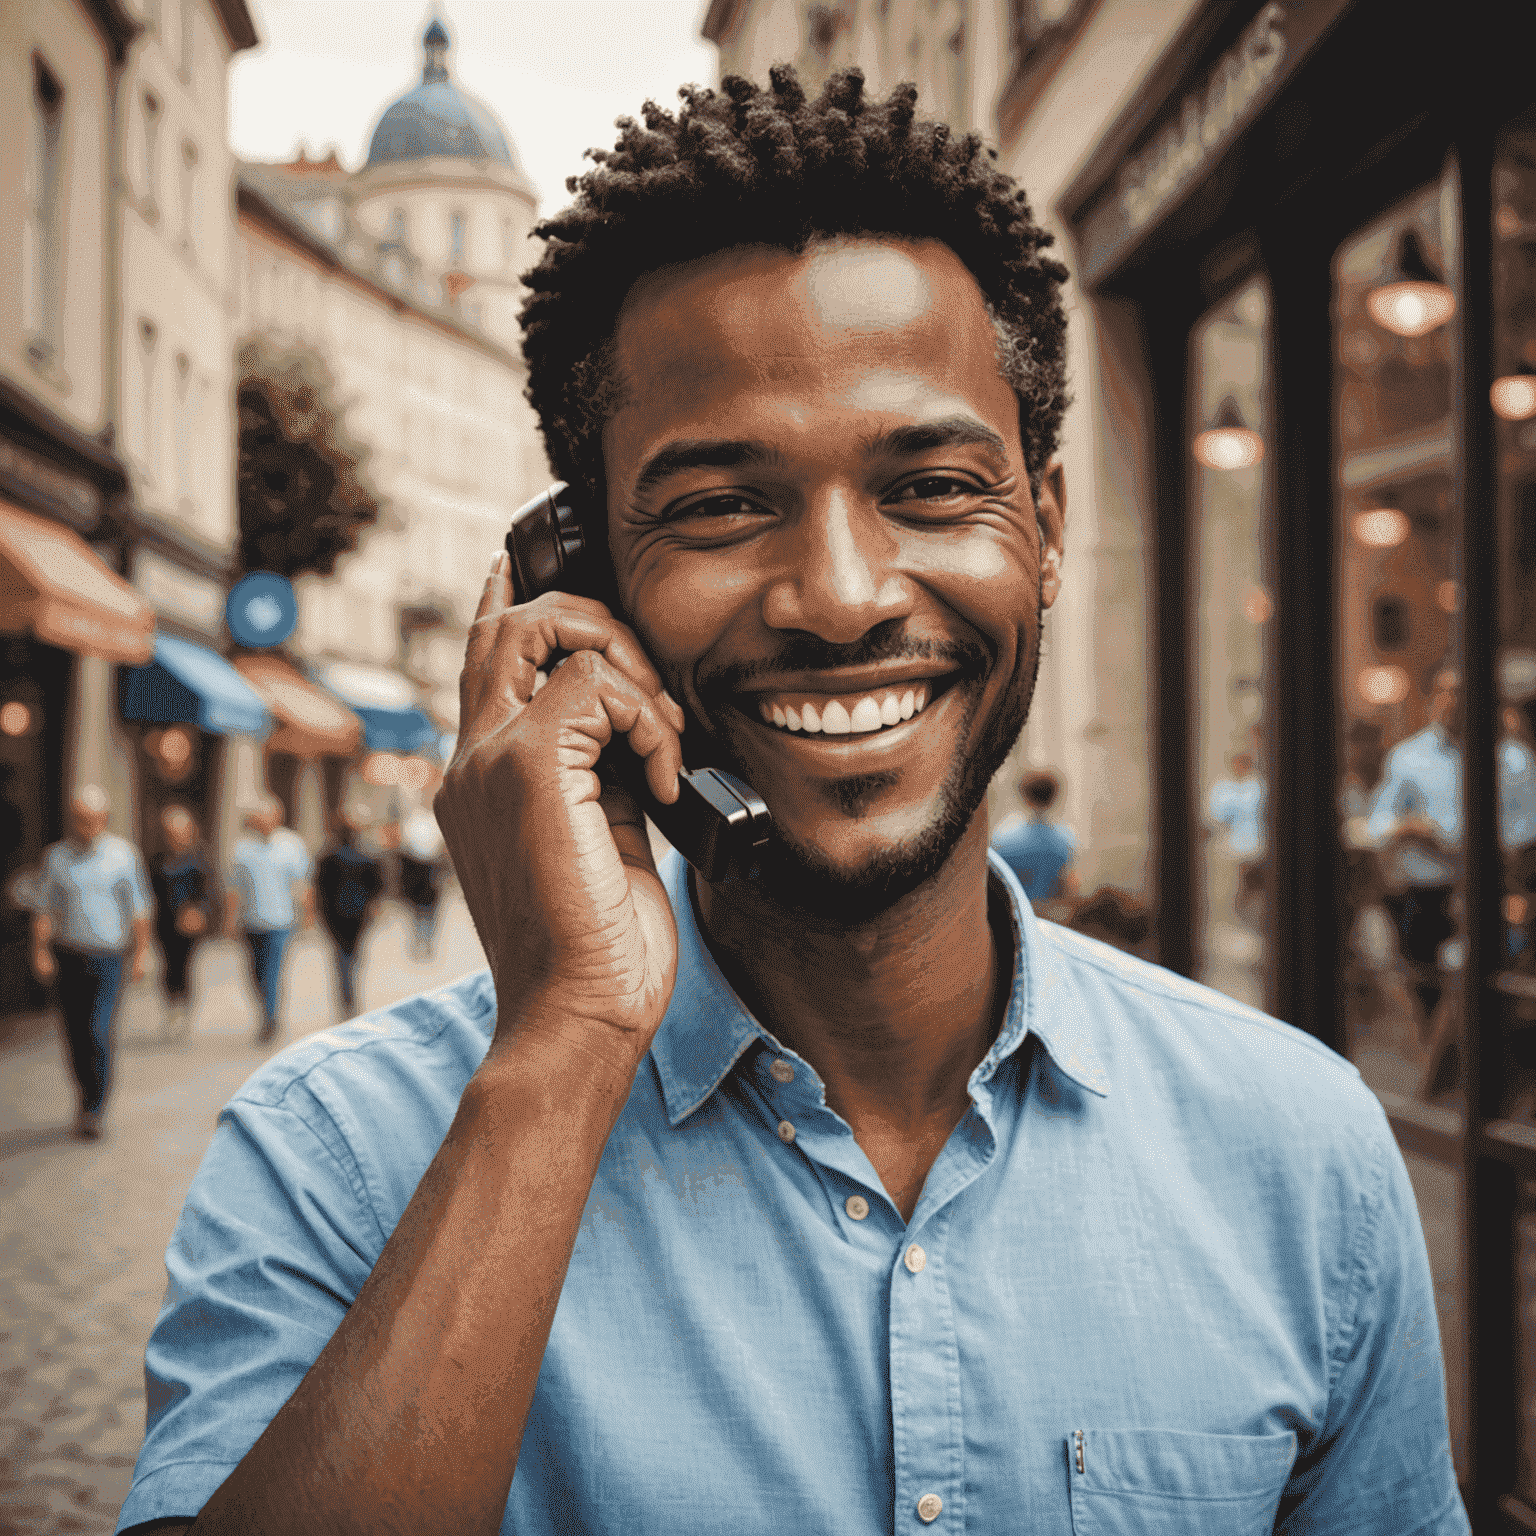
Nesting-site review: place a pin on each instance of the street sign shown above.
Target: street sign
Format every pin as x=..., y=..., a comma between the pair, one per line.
x=261, y=609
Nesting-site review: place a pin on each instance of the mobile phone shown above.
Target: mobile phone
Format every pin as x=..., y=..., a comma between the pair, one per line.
x=719, y=823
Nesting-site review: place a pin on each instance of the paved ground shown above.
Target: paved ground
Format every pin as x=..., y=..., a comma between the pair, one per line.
x=83, y=1225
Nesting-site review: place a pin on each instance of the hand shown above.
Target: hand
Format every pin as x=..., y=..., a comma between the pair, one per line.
x=44, y=966
x=557, y=869
x=190, y=922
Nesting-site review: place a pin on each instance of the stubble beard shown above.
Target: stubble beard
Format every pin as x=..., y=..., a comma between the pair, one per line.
x=798, y=878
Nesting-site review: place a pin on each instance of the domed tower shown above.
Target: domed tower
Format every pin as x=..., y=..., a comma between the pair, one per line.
x=443, y=180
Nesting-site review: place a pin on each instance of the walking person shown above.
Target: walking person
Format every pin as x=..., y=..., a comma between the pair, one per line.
x=1039, y=851
x=186, y=888
x=93, y=909
x=269, y=893
x=348, y=881
x=421, y=878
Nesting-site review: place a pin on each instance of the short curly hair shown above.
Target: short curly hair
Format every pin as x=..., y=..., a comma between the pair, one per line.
x=751, y=166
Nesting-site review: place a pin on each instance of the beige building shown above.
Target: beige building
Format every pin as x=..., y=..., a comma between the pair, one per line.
x=403, y=278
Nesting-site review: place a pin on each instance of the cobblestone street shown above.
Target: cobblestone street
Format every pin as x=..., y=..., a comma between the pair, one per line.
x=83, y=1225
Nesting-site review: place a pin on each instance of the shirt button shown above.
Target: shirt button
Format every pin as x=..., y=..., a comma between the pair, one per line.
x=915, y=1259
x=857, y=1207
x=782, y=1071
x=786, y=1131
x=930, y=1506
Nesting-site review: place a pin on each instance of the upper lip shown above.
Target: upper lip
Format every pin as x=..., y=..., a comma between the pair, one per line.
x=854, y=680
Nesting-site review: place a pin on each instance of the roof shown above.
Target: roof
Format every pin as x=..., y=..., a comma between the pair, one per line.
x=437, y=118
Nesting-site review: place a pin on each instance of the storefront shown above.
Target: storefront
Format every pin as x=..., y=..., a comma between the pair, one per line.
x=1318, y=220
x=66, y=619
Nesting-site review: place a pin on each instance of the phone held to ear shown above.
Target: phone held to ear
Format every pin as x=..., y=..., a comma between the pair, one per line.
x=718, y=823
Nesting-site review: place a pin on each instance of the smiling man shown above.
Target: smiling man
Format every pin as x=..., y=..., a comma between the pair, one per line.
x=847, y=1197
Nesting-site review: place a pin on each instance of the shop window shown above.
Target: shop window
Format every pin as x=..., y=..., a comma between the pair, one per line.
x=42, y=260
x=1229, y=370
x=1401, y=660
x=1513, y=397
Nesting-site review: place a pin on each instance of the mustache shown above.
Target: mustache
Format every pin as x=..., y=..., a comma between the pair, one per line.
x=805, y=652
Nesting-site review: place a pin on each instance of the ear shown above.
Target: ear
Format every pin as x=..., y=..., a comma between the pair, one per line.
x=1051, y=514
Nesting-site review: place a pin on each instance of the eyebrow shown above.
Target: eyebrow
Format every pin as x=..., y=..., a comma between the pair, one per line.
x=702, y=453
x=947, y=432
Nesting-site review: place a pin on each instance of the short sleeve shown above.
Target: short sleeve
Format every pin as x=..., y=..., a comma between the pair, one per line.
x=1381, y=1465
x=273, y=1245
x=140, y=900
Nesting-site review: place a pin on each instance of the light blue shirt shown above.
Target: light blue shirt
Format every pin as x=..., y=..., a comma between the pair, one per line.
x=1422, y=777
x=264, y=872
x=1165, y=1275
x=94, y=894
x=1238, y=805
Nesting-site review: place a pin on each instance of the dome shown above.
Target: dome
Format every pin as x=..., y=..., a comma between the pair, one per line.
x=437, y=118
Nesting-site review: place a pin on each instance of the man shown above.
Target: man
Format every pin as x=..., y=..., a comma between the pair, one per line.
x=92, y=909
x=347, y=885
x=421, y=877
x=187, y=903
x=847, y=1197
x=1415, y=820
x=269, y=891
x=1037, y=850
x=1237, y=804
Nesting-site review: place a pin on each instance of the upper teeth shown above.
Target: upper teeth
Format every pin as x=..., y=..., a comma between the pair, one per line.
x=842, y=717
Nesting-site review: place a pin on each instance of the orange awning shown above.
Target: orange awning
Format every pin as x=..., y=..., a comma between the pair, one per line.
x=310, y=721
x=52, y=585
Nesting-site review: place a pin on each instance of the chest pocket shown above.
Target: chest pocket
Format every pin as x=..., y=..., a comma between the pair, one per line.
x=1158, y=1482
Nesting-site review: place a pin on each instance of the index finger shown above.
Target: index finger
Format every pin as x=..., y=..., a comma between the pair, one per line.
x=497, y=596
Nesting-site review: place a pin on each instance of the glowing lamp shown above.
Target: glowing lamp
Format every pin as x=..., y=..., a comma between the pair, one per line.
x=1514, y=395
x=174, y=747
x=1382, y=685
x=1413, y=301
x=1229, y=443
x=381, y=768
x=15, y=718
x=1381, y=527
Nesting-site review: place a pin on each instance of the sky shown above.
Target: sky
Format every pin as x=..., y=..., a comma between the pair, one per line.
x=555, y=72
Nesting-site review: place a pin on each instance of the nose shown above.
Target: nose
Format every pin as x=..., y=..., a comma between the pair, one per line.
x=839, y=579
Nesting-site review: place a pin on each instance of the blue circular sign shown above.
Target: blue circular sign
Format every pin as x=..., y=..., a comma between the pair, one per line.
x=261, y=609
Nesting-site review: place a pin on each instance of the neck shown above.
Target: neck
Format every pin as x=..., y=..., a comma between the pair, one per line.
x=893, y=1014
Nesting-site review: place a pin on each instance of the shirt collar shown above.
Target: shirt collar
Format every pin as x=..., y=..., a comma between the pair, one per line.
x=707, y=1028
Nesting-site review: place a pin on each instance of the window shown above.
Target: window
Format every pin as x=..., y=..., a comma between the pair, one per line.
x=150, y=120
x=456, y=236
x=189, y=208
x=42, y=275
x=149, y=412
x=1040, y=32
x=185, y=406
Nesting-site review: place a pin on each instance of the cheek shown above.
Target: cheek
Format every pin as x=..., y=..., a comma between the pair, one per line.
x=685, y=607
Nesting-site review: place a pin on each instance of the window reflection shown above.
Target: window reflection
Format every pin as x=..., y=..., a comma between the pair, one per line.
x=1513, y=397
x=1229, y=379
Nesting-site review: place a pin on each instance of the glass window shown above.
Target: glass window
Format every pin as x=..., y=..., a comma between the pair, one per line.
x=1229, y=378
x=1514, y=411
x=1400, y=660
x=42, y=277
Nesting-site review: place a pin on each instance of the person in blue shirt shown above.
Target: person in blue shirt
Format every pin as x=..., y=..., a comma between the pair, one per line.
x=849, y=1196
x=92, y=914
x=269, y=893
x=1038, y=851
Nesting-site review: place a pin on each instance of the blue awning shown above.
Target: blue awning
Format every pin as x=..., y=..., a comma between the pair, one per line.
x=383, y=700
x=189, y=682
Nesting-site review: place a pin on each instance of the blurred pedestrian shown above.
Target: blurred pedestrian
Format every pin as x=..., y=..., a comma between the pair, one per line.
x=269, y=893
x=422, y=867
x=186, y=888
x=1238, y=804
x=93, y=910
x=348, y=881
x=1039, y=851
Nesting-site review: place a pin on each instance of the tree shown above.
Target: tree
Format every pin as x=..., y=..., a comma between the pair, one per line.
x=304, y=500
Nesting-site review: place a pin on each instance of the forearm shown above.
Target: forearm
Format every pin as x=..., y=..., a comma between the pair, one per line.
x=412, y=1416
x=42, y=930
x=140, y=936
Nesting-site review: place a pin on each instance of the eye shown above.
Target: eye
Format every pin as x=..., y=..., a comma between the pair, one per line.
x=932, y=488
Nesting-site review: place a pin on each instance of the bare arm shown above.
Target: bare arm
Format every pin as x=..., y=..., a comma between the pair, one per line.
x=412, y=1417
x=43, y=964
x=140, y=948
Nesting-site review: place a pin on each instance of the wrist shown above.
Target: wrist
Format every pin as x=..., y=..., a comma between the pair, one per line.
x=573, y=1058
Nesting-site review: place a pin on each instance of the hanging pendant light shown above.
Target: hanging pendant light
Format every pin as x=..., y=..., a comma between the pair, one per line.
x=1229, y=443
x=1514, y=395
x=1413, y=299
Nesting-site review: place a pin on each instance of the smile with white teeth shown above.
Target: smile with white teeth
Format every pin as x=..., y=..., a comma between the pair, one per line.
x=855, y=715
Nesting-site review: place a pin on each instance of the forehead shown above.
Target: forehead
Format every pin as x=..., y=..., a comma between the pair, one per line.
x=879, y=317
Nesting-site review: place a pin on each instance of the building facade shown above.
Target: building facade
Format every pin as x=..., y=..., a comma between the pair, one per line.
x=1291, y=679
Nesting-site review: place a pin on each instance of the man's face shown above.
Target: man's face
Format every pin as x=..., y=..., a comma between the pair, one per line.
x=86, y=823
x=819, y=510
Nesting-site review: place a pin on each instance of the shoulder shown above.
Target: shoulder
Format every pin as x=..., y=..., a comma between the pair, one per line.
x=1207, y=1063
